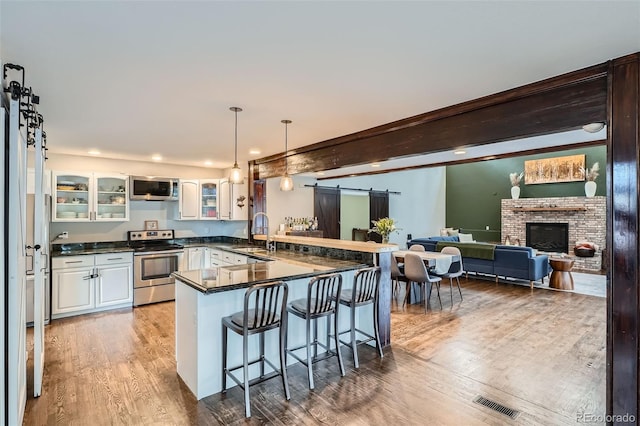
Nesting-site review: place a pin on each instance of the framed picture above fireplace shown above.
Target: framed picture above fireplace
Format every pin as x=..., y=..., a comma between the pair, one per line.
x=569, y=168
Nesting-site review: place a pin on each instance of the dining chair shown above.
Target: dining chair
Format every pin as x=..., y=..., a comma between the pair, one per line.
x=264, y=310
x=417, y=247
x=397, y=276
x=455, y=270
x=416, y=272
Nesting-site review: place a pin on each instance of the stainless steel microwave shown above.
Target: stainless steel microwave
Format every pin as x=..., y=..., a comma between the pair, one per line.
x=153, y=188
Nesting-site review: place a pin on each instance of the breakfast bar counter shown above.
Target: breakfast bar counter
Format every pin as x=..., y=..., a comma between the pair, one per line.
x=204, y=297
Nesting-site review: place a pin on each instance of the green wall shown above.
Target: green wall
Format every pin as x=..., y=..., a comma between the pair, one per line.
x=474, y=190
x=354, y=213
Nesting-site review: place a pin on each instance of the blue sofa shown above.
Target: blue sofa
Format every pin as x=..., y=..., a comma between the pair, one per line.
x=509, y=261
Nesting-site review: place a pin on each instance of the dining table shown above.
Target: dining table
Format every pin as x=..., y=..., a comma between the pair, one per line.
x=437, y=263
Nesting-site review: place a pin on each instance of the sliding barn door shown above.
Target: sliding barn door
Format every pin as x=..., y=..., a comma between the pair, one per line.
x=378, y=208
x=16, y=384
x=40, y=245
x=326, y=207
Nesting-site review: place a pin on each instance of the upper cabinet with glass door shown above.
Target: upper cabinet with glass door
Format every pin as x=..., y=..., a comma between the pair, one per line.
x=208, y=199
x=112, y=200
x=84, y=197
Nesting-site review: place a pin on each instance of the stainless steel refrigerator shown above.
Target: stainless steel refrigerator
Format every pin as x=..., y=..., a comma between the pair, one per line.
x=44, y=251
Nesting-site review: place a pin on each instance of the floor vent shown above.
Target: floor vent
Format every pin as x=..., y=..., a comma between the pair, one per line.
x=495, y=406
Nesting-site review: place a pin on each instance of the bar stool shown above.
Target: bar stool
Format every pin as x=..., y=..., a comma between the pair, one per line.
x=366, y=284
x=319, y=303
x=264, y=306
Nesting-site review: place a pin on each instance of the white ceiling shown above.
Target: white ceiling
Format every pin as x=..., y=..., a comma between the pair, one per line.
x=132, y=79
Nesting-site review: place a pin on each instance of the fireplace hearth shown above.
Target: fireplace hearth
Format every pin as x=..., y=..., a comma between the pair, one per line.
x=549, y=237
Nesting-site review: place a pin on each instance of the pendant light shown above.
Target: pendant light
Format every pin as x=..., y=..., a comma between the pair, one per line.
x=286, y=183
x=236, y=171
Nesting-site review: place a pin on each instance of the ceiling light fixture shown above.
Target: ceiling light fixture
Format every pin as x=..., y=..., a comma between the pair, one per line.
x=156, y=157
x=375, y=165
x=460, y=152
x=236, y=172
x=254, y=152
x=94, y=152
x=286, y=183
x=208, y=163
x=593, y=127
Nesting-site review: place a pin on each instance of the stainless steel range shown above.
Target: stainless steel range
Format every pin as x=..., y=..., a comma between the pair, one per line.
x=155, y=258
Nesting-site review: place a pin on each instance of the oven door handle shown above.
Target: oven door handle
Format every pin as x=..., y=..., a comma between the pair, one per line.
x=159, y=252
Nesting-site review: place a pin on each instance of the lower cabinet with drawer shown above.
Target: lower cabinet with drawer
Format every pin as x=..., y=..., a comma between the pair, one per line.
x=91, y=283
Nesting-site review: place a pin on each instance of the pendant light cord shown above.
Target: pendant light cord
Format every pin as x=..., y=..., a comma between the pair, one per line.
x=236, y=138
x=286, y=133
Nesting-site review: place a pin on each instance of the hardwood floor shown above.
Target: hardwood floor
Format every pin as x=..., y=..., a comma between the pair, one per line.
x=539, y=352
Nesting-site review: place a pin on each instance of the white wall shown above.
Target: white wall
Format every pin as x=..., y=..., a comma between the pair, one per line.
x=164, y=212
x=419, y=209
x=296, y=203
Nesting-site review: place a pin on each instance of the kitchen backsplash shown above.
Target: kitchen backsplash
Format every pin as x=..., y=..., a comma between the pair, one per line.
x=162, y=211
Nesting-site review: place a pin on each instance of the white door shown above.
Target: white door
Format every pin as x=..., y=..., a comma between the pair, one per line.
x=3, y=330
x=188, y=199
x=40, y=241
x=113, y=285
x=16, y=295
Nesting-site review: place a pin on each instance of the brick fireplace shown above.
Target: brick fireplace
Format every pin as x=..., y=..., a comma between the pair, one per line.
x=586, y=219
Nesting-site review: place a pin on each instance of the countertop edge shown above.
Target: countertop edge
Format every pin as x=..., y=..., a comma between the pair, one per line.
x=196, y=286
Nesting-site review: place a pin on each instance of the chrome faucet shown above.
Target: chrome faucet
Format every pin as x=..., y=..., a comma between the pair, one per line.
x=271, y=245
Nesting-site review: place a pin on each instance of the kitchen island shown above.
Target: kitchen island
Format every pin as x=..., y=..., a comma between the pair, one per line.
x=204, y=297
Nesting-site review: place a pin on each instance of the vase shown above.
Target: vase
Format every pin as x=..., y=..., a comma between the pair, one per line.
x=385, y=240
x=515, y=192
x=590, y=188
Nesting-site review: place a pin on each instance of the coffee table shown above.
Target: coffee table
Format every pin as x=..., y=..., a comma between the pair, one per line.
x=561, y=277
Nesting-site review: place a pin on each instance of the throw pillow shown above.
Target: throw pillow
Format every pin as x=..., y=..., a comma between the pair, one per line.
x=465, y=238
x=444, y=232
x=452, y=232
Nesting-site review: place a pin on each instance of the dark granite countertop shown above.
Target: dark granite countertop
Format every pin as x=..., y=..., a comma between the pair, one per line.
x=276, y=266
x=82, y=249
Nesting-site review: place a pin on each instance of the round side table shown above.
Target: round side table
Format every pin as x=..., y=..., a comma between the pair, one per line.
x=561, y=276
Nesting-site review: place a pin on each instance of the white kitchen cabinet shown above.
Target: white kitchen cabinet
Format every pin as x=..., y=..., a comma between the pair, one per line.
x=216, y=258
x=90, y=283
x=89, y=197
x=114, y=283
x=208, y=199
x=233, y=200
x=195, y=256
x=73, y=291
x=188, y=200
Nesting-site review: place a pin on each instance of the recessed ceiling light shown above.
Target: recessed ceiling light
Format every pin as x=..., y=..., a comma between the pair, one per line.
x=375, y=165
x=460, y=152
x=320, y=173
x=254, y=151
x=94, y=152
x=156, y=157
x=208, y=163
x=593, y=127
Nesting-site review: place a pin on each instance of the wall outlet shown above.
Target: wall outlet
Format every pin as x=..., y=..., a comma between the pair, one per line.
x=486, y=227
x=64, y=235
